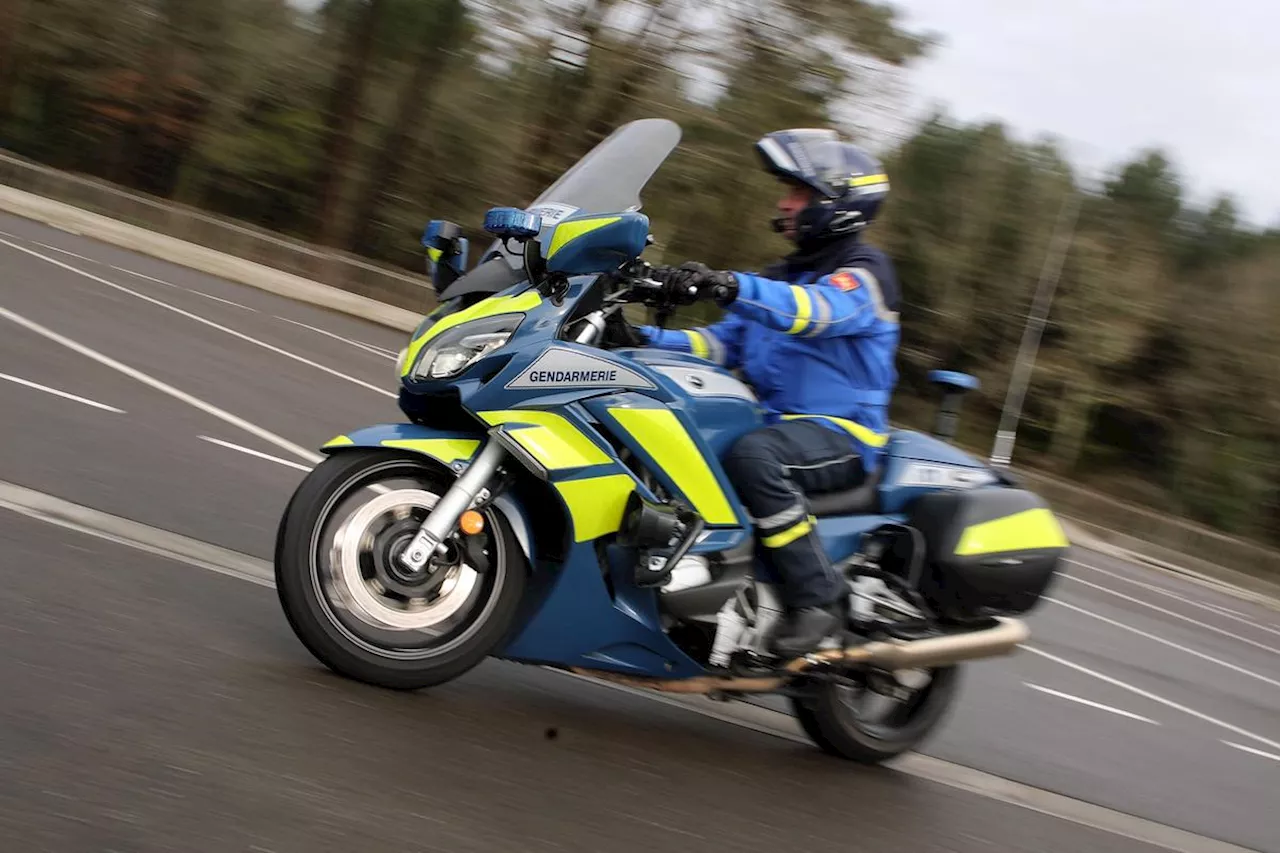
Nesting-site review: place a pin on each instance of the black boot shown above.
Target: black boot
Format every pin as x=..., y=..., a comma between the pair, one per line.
x=802, y=630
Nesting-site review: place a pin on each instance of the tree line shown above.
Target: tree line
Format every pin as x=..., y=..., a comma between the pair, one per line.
x=349, y=123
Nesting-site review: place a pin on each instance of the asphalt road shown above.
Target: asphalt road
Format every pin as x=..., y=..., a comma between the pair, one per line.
x=152, y=705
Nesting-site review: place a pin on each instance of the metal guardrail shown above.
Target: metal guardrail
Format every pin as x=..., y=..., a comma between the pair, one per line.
x=1121, y=523
x=356, y=275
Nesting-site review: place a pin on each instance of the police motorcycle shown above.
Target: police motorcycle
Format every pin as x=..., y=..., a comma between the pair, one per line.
x=555, y=497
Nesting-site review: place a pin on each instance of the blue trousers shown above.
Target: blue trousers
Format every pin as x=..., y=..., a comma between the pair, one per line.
x=773, y=469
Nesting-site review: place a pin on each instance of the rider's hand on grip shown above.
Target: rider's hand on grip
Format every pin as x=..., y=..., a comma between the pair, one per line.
x=691, y=281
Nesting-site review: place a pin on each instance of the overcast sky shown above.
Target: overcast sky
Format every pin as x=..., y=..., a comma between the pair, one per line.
x=1112, y=76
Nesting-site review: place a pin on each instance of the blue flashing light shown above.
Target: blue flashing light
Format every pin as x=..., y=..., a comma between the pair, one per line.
x=431, y=233
x=512, y=223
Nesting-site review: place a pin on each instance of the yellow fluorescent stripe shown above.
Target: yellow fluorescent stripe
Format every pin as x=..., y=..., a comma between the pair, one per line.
x=552, y=439
x=596, y=504
x=1034, y=528
x=698, y=343
x=447, y=450
x=662, y=436
x=568, y=231
x=434, y=254
x=490, y=307
x=340, y=441
x=804, y=309
x=791, y=534
x=867, y=436
x=868, y=180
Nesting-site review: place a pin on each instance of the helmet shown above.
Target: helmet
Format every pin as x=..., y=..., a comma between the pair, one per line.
x=851, y=184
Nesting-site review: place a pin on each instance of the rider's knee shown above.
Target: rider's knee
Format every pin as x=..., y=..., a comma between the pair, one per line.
x=750, y=458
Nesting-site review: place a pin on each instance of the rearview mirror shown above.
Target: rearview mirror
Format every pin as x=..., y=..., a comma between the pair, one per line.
x=447, y=252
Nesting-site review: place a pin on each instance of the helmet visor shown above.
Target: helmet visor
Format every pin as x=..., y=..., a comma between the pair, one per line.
x=812, y=157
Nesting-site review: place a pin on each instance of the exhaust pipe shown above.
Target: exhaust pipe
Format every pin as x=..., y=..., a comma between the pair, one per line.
x=1000, y=639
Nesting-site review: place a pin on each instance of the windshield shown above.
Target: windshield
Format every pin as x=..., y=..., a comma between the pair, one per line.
x=608, y=179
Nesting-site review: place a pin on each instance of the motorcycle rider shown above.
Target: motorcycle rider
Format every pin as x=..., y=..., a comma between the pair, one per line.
x=816, y=336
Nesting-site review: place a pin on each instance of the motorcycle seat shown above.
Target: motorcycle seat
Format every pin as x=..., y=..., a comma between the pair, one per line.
x=862, y=499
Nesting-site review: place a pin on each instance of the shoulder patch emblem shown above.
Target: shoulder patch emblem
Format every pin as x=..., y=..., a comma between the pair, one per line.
x=845, y=281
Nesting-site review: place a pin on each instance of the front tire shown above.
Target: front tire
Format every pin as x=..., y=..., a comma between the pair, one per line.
x=362, y=615
x=836, y=726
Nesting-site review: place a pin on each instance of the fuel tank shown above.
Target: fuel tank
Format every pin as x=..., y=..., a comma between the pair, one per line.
x=721, y=405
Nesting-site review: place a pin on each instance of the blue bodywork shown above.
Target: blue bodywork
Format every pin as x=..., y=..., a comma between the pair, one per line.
x=571, y=616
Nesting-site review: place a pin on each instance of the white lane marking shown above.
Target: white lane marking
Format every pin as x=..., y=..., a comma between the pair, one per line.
x=65, y=252
x=58, y=393
x=1213, y=608
x=200, y=319
x=369, y=348
x=187, y=289
x=1153, y=697
x=153, y=540
x=256, y=453
x=1195, y=622
x=1163, y=641
x=377, y=488
x=202, y=555
x=1090, y=703
x=254, y=429
x=147, y=277
x=220, y=299
x=1252, y=750
x=1218, y=608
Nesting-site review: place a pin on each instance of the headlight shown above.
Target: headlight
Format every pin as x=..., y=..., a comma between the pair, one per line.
x=458, y=348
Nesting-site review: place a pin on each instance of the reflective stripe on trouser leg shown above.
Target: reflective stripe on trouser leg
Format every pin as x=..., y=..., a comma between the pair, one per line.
x=798, y=558
x=763, y=469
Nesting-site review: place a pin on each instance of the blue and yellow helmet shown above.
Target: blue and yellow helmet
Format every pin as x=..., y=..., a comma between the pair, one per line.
x=850, y=183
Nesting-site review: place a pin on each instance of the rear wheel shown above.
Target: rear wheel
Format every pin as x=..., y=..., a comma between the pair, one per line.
x=861, y=723
x=359, y=611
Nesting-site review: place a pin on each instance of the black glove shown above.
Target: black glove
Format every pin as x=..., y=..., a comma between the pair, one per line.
x=692, y=281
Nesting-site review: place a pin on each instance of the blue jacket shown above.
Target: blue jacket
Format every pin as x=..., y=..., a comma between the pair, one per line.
x=814, y=336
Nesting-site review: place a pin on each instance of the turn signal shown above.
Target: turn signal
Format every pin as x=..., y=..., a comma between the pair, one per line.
x=471, y=522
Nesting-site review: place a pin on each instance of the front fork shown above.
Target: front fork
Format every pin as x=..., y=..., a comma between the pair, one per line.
x=466, y=491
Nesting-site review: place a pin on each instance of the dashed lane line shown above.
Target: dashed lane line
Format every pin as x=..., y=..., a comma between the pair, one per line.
x=187, y=289
x=1175, y=615
x=1217, y=609
x=134, y=373
x=45, y=388
x=1089, y=703
x=252, y=452
x=270, y=347
x=1170, y=643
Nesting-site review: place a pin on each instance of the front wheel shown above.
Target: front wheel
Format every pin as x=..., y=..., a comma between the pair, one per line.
x=862, y=724
x=356, y=608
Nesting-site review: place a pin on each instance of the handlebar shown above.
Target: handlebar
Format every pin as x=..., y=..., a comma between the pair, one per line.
x=641, y=283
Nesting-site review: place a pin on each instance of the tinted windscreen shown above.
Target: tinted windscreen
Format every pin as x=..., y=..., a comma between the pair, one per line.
x=608, y=179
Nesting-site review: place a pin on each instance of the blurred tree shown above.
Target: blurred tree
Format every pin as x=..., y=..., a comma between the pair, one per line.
x=359, y=20
x=13, y=18
x=441, y=35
